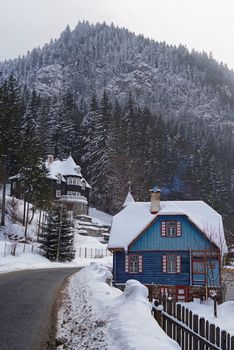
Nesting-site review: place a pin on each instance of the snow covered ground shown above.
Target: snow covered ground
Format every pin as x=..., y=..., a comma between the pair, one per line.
x=97, y=316
x=225, y=313
x=30, y=260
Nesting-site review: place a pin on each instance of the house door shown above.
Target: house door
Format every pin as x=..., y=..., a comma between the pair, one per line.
x=181, y=293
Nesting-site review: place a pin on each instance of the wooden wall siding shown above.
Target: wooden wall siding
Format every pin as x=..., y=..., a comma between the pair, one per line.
x=191, y=238
x=152, y=269
x=153, y=273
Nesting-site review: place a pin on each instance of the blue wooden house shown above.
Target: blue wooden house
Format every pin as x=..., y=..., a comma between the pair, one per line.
x=175, y=247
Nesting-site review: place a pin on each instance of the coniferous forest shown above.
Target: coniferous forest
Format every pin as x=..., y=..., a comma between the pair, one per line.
x=129, y=109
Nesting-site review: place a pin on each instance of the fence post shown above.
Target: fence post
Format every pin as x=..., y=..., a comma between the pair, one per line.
x=85, y=252
x=158, y=316
x=232, y=342
x=224, y=340
x=5, y=249
x=217, y=336
x=202, y=332
x=169, y=323
x=178, y=329
x=212, y=333
x=228, y=341
x=195, y=328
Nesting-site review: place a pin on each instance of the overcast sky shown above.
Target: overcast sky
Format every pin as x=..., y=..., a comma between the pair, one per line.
x=201, y=24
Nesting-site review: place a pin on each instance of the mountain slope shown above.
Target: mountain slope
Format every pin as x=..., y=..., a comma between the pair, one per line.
x=169, y=79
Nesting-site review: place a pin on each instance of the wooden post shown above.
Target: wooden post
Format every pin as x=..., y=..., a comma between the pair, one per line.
x=178, y=336
x=195, y=329
x=4, y=254
x=169, y=323
x=212, y=333
x=158, y=316
x=232, y=342
x=217, y=337
x=202, y=331
x=224, y=340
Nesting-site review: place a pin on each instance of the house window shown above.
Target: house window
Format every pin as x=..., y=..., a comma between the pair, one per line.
x=170, y=228
x=133, y=263
x=198, y=267
x=171, y=263
x=73, y=193
x=199, y=272
x=58, y=193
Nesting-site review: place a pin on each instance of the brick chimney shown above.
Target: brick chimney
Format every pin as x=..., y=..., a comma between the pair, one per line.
x=50, y=159
x=155, y=200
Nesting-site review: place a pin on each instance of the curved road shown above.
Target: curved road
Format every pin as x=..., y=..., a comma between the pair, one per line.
x=27, y=299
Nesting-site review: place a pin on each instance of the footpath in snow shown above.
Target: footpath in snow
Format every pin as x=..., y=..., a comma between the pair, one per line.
x=96, y=316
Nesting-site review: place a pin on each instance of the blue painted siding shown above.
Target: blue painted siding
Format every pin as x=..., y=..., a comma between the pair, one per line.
x=152, y=269
x=153, y=274
x=191, y=237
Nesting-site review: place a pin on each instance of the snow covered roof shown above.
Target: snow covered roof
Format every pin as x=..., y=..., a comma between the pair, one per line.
x=129, y=199
x=66, y=167
x=135, y=217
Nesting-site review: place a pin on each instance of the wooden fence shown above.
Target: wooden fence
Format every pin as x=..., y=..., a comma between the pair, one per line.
x=189, y=330
x=17, y=249
x=92, y=252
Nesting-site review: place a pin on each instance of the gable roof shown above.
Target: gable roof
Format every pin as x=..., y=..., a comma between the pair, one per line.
x=135, y=218
x=66, y=167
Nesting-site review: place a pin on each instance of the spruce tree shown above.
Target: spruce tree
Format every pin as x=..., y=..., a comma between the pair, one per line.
x=57, y=238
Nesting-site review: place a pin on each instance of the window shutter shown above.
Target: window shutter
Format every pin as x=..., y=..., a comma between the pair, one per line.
x=163, y=228
x=126, y=263
x=164, y=263
x=178, y=228
x=140, y=261
x=178, y=264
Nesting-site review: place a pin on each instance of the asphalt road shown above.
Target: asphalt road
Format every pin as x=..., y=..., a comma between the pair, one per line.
x=27, y=300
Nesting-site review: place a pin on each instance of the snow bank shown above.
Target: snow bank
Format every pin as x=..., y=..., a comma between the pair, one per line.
x=124, y=318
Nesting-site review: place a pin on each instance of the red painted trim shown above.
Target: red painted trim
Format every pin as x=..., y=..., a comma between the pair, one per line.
x=185, y=288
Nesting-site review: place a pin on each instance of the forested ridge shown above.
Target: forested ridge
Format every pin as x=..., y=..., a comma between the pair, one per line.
x=131, y=109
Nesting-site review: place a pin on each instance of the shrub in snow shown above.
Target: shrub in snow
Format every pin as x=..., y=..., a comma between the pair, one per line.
x=57, y=238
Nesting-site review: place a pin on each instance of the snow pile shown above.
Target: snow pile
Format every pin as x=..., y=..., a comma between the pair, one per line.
x=225, y=313
x=98, y=316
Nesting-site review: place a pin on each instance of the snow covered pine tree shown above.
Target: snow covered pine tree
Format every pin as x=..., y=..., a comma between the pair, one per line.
x=57, y=238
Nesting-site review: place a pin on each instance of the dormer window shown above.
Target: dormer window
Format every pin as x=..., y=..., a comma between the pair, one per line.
x=73, y=181
x=170, y=228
